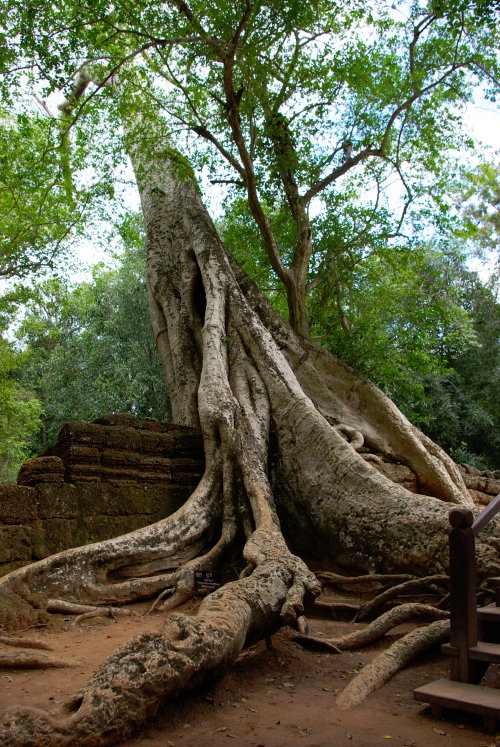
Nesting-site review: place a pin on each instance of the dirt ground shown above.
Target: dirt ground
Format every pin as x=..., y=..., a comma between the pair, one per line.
x=279, y=697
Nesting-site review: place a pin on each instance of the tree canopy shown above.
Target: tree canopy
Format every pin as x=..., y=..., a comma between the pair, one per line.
x=313, y=112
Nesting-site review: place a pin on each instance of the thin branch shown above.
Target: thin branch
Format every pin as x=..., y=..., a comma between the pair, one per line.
x=380, y=151
x=228, y=181
x=227, y=155
x=232, y=106
x=339, y=171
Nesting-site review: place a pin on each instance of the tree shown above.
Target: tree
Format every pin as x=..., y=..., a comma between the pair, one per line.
x=19, y=416
x=92, y=343
x=282, y=419
x=462, y=404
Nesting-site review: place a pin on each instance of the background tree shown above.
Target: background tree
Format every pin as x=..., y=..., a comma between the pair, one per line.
x=19, y=416
x=88, y=347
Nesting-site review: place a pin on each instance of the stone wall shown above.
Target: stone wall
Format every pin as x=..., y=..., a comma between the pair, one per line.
x=100, y=480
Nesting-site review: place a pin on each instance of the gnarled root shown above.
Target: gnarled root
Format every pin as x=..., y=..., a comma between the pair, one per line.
x=28, y=660
x=129, y=686
x=384, y=666
x=408, y=586
x=336, y=579
x=20, y=642
x=87, y=610
x=335, y=610
x=375, y=629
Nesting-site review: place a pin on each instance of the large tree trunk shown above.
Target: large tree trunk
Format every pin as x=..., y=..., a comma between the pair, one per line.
x=282, y=421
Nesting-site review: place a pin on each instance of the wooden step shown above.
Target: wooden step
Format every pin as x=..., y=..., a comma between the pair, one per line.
x=490, y=612
x=483, y=701
x=484, y=651
x=493, y=583
x=488, y=618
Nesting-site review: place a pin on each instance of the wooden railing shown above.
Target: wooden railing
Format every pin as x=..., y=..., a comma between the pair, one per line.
x=463, y=609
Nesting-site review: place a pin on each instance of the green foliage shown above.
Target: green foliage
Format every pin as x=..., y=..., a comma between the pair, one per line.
x=89, y=348
x=19, y=416
x=479, y=206
x=34, y=214
x=466, y=407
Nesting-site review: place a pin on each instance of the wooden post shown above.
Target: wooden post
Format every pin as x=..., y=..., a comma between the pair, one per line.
x=463, y=612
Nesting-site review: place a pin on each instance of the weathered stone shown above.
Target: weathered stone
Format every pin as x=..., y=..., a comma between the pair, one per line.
x=114, y=500
x=482, y=482
x=57, y=501
x=121, y=458
x=15, y=543
x=83, y=473
x=105, y=527
x=481, y=499
x=83, y=454
x=17, y=504
x=42, y=469
x=126, y=420
x=59, y=534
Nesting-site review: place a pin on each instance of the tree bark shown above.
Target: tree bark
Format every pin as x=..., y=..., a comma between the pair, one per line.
x=274, y=410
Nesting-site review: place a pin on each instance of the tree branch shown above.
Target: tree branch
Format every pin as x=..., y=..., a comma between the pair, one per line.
x=339, y=171
x=232, y=106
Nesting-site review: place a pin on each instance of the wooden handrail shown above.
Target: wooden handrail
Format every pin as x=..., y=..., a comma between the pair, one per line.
x=486, y=514
x=463, y=614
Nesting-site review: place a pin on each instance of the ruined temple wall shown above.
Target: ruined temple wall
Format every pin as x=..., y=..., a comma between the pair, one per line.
x=100, y=480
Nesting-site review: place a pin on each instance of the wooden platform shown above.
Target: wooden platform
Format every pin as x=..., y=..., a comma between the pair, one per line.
x=461, y=696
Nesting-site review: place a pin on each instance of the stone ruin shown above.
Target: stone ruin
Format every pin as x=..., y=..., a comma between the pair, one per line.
x=120, y=473
x=99, y=480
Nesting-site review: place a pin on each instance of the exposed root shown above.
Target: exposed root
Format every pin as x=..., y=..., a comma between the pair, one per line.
x=351, y=435
x=384, y=666
x=337, y=579
x=130, y=685
x=68, y=608
x=27, y=660
x=185, y=586
x=102, y=612
x=302, y=626
x=375, y=629
x=92, y=575
x=408, y=586
x=335, y=610
x=85, y=610
x=317, y=644
x=20, y=642
x=159, y=598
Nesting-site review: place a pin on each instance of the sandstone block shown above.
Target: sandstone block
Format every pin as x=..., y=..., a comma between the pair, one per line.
x=15, y=543
x=15, y=612
x=58, y=535
x=57, y=501
x=17, y=504
x=40, y=470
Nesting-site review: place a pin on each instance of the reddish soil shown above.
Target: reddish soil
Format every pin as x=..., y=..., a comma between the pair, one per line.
x=283, y=697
